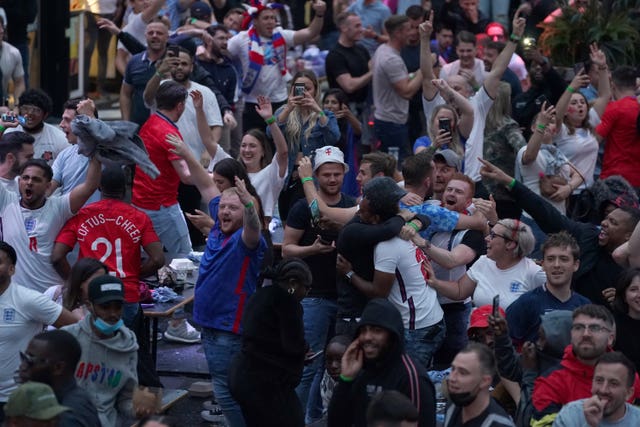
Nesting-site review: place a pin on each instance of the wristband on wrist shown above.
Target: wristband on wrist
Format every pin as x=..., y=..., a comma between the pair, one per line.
x=514, y=38
x=511, y=184
x=346, y=379
x=192, y=21
x=321, y=113
x=412, y=225
x=249, y=205
x=158, y=74
x=570, y=89
x=540, y=131
x=270, y=120
x=2, y=128
x=541, y=126
x=306, y=179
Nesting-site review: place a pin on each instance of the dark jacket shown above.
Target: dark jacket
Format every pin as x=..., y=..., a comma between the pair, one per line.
x=394, y=370
x=273, y=345
x=598, y=270
x=83, y=412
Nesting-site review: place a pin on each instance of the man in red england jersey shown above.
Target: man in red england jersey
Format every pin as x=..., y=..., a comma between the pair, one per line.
x=114, y=232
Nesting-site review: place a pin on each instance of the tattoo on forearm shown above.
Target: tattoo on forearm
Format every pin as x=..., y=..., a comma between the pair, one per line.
x=251, y=219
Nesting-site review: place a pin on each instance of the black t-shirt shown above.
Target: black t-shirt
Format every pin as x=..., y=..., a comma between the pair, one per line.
x=492, y=416
x=348, y=60
x=474, y=239
x=323, y=266
x=225, y=77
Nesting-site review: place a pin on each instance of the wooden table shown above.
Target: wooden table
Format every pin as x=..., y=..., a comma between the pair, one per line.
x=164, y=309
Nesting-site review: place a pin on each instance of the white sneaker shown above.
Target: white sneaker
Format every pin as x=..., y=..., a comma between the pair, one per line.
x=213, y=415
x=183, y=332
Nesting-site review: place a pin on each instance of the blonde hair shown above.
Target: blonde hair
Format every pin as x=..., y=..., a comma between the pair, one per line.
x=433, y=129
x=500, y=111
x=295, y=122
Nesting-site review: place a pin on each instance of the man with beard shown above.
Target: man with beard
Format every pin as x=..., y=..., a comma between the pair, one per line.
x=305, y=238
x=15, y=149
x=592, y=333
x=472, y=373
x=607, y=407
x=180, y=68
x=35, y=106
x=51, y=358
x=376, y=361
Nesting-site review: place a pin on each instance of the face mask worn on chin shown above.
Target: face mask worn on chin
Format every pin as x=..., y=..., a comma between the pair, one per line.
x=462, y=399
x=107, y=328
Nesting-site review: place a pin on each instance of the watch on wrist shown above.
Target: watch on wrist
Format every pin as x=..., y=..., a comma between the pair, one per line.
x=349, y=274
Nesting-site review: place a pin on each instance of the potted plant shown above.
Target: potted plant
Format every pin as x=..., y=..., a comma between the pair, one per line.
x=613, y=24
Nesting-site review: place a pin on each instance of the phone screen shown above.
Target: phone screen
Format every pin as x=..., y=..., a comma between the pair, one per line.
x=445, y=125
x=298, y=89
x=496, y=306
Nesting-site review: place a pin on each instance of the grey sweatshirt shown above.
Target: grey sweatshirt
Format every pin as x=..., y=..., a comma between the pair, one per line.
x=107, y=369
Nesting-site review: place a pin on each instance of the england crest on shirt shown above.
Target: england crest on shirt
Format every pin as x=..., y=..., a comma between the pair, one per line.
x=515, y=286
x=9, y=315
x=30, y=224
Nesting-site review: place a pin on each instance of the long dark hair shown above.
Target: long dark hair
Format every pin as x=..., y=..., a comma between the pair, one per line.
x=627, y=276
x=230, y=168
x=267, y=155
x=81, y=271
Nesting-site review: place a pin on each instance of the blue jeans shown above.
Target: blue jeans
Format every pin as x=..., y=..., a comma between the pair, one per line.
x=421, y=344
x=392, y=135
x=171, y=228
x=456, y=319
x=219, y=348
x=319, y=317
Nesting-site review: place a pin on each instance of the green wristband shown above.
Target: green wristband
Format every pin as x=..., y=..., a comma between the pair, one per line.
x=321, y=113
x=249, y=205
x=412, y=225
x=2, y=128
x=511, y=184
x=270, y=120
x=346, y=379
x=306, y=179
x=515, y=38
x=541, y=126
x=158, y=74
x=570, y=89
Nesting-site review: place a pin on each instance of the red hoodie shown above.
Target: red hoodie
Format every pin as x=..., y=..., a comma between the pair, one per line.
x=572, y=381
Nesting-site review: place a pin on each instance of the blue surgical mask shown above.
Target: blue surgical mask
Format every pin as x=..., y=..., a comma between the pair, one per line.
x=107, y=328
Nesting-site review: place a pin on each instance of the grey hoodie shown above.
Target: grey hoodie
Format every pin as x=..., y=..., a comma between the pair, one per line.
x=107, y=369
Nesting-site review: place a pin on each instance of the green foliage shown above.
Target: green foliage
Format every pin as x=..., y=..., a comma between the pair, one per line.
x=613, y=24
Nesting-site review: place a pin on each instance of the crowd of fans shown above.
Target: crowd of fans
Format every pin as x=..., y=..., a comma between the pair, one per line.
x=461, y=242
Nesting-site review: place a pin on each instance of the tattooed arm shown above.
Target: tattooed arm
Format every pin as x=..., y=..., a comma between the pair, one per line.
x=251, y=220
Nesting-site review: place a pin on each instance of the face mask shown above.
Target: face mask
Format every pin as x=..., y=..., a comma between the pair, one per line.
x=462, y=399
x=107, y=328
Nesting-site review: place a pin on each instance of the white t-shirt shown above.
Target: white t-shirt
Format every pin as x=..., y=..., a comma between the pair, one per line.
x=581, y=148
x=268, y=185
x=453, y=68
x=11, y=66
x=49, y=142
x=188, y=124
x=32, y=234
x=529, y=175
x=24, y=314
x=417, y=302
x=509, y=284
x=270, y=81
x=481, y=103
x=136, y=27
x=10, y=184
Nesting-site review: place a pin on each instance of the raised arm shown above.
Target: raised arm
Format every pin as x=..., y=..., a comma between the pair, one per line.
x=152, y=10
x=341, y=215
x=599, y=60
x=307, y=34
x=265, y=111
x=79, y=195
x=251, y=219
x=429, y=91
x=205, y=132
x=502, y=61
x=199, y=176
x=163, y=66
x=462, y=104
x=579, y=80
x=540, y=134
